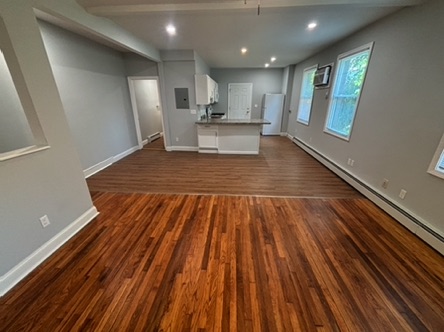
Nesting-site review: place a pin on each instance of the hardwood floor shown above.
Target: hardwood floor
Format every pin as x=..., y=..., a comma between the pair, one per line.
x=281, y=169
x=155, y=145
x=215, y=262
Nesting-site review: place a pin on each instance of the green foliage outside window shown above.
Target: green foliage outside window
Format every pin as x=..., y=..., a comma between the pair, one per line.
x=347, y=89
x=306, y=97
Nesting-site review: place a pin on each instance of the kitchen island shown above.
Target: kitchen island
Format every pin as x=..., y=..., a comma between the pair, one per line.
x=230, y=136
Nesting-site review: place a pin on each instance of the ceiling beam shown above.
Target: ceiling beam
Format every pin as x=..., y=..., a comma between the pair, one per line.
x=121, y=10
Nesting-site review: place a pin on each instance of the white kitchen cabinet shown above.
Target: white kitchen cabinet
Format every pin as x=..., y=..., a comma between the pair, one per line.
x=216, y=92
x=206, y=90
x=207, y=138
x=230, y=136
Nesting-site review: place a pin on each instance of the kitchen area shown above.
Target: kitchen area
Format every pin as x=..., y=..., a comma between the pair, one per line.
x=234, y=130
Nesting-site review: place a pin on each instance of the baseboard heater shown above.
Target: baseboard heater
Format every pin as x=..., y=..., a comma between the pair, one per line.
x=154, y=136
x=370, y=189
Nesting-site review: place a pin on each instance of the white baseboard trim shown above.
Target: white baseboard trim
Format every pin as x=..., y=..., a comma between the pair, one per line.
x=122, y=155
x=108, y=162
x=98, y=167
x=414, y=223
x=182, y=148
x=203, y=150
x=431, y=240
x=21, y=270
x=238, y=152
x=145, y=142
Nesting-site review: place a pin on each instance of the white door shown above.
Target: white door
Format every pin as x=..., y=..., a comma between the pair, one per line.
x=272, y=111
x=239, y=100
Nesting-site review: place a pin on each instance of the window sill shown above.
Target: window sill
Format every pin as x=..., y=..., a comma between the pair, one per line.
x=344, y=138
x=436, y=173
x=21, y=152
x=302, y=122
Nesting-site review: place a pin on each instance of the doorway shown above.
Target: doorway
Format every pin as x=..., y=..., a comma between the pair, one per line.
x=239, y=100
x=147, y=108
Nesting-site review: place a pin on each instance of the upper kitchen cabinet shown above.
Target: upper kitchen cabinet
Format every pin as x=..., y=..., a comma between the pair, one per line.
x=206, y=90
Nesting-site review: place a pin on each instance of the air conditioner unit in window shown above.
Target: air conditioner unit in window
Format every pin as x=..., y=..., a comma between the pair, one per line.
x=322, y=76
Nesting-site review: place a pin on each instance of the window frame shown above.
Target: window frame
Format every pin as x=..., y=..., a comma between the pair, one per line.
x=369, y=47
x=314, y=67
x=438, y=157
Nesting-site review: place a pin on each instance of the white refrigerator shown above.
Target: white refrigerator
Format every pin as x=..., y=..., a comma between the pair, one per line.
x=272, y=109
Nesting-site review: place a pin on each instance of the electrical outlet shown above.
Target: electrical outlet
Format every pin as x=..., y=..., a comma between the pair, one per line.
x=177, y=139
x=402, y=194
x=352, y=163
x=349, y=161
x=193, y=111
x=44, y=221
x=385, y=183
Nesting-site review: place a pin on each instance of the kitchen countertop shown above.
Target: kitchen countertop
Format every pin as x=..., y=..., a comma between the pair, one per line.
x=233, y=122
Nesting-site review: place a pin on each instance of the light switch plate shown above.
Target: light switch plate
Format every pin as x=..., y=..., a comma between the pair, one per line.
x=44, y=221
x=402, y=194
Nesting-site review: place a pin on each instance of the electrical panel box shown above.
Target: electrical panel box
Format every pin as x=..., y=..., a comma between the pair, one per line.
x=182, y=98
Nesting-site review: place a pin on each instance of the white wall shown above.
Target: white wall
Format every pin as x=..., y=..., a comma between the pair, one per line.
x=15, y=132
x=148, y=107
x=264, y=81
x=287, y=89
x=48, y=182
x=201, y=66
x=180, y=74
x=71, y=14
x=139, y=66
x=177, y=71
x=400, y=119
x=91, y=79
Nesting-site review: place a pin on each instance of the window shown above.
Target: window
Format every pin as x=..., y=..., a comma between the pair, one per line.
x=440, y=165
x=306, y=97
x=347, y=87
x=437, y=165
x=20, y=131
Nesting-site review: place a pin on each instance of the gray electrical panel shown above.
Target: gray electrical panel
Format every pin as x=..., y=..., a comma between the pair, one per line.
x=182, y=100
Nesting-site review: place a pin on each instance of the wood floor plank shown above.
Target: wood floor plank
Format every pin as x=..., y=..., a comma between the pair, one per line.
x=263, y=272
x=281, y=169
x=214, y=262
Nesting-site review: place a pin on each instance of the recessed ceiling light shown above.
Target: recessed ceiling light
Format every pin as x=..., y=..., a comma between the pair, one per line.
x=244, y=50
x=312, y=25
x=171, y=29
x=267, y=65
x=273, y=59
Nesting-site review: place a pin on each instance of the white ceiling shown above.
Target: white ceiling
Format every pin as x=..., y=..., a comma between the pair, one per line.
x=217, y=30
